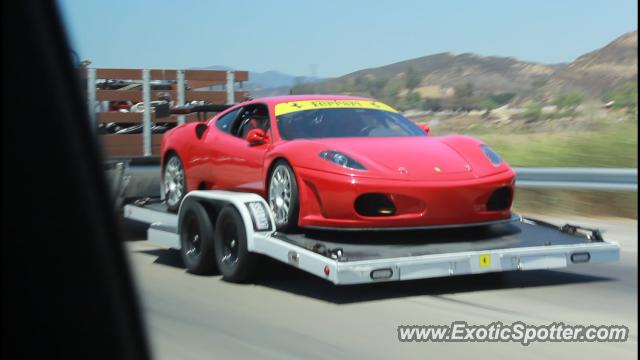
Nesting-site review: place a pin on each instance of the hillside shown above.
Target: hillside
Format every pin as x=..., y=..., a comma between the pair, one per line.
x=438, y=76
x=447, y=70
x=597, y=72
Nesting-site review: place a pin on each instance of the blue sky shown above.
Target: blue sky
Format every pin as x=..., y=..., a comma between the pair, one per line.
x=335, y=37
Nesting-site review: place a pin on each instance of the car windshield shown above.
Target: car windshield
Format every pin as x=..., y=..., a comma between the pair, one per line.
x=344, y=122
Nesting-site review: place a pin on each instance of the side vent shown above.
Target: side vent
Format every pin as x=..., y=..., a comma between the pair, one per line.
x=200, y=129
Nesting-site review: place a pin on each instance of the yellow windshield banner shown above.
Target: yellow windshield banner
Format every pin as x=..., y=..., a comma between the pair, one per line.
x=292, y=106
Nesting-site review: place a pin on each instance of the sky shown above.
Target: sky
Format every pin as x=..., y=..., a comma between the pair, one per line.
x=331, y=38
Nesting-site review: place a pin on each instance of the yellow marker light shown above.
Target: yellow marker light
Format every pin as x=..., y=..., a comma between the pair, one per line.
x=485, y=260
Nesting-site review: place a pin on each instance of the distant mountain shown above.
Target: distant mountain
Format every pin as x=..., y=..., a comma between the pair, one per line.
x=598, y=71
x=436, y=76
x=268, y=83
x=440, y=73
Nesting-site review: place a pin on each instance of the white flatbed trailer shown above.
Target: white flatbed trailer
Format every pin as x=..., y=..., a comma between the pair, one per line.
x=348, y=257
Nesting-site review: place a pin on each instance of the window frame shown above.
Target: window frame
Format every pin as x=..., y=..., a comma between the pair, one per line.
x=237, y=127
x=235, y=118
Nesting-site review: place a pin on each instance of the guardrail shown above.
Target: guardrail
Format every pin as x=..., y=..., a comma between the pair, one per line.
x=578, y=178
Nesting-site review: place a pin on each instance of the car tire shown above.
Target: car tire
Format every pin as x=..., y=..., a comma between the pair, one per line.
x=235, y=262
x=285, y=215
x=174, y=182
x=197, y=239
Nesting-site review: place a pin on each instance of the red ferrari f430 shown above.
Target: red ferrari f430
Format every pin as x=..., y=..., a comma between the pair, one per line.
x=338, y=162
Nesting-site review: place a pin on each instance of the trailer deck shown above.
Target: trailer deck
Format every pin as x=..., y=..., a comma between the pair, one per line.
x=376, y=245
x=344, y=257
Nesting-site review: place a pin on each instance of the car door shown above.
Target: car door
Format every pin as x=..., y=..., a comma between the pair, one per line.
x=237, y=164
x=204, y=152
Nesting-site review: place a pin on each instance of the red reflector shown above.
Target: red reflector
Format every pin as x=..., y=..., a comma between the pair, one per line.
x=326, y=270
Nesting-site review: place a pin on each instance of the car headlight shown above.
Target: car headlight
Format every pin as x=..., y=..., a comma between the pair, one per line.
x=341, y=159
x=493, y=156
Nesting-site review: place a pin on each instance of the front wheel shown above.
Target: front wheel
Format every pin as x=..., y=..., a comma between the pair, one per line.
x=283, y=197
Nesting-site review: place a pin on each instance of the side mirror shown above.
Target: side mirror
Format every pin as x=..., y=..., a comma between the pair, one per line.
x=256, y=137
x=425, y=128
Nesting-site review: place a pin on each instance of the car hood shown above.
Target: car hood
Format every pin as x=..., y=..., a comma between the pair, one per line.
x=410, y=158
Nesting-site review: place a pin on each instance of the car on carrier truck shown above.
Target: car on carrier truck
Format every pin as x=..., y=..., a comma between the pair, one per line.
x=338, y=162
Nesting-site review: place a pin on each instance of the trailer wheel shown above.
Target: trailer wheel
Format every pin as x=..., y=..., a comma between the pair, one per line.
x=235, y=262
x=197, y=239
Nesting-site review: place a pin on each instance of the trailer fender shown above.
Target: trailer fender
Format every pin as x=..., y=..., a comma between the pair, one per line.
x=252, y=207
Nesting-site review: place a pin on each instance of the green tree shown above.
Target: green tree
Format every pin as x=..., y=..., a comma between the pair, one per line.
x=361, y=82
x=487, y=103
x=412, y=79
x=463, y=91
x=538, y=83
x=411, y=101
x=433, y=104
x=392, y=88
x=376, y=87
x=533, y=110
x=569, y=100
x=624, y=96
x=502, y=98
x=463, y=96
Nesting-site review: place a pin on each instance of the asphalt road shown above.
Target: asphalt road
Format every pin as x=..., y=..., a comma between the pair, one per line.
x=288, y=314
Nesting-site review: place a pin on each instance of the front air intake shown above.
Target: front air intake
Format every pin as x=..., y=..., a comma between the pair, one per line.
x=374, y=205
x=500, y=199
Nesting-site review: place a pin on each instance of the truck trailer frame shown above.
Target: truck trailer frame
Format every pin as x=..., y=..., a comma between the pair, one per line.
x=360, y=257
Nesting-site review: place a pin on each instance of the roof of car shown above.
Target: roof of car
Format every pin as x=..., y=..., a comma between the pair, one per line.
x=272, y=100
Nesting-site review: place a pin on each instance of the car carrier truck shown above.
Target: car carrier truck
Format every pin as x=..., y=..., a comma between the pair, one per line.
x=230, y=231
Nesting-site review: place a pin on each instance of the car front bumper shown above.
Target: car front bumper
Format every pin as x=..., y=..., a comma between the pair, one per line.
x=327, y=201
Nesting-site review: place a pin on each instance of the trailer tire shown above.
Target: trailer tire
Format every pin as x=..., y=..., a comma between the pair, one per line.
x=235, y=262
x=197, y=239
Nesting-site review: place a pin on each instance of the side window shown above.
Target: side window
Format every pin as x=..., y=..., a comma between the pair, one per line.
x=253, y=117
x=225, y=122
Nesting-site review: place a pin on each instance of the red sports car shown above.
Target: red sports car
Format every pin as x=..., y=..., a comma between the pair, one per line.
x=338, y=162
